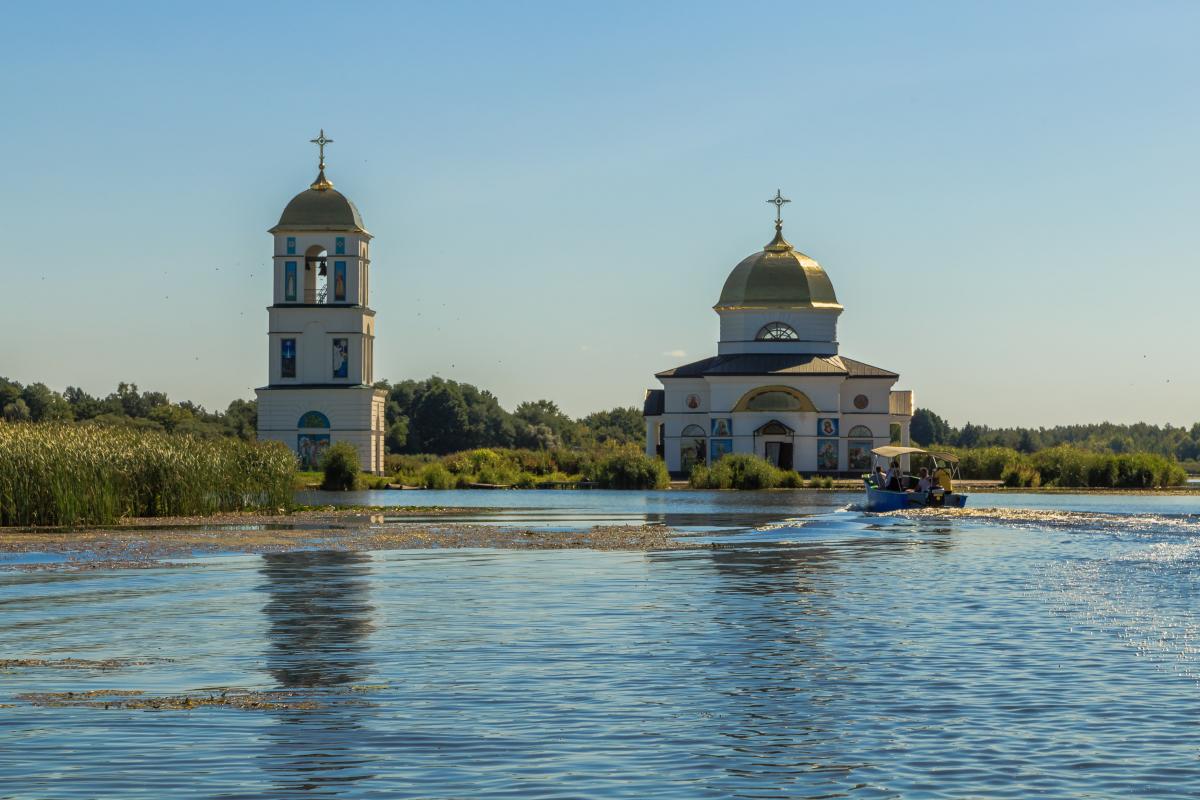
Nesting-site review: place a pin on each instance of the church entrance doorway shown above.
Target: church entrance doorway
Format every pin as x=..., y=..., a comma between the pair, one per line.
x=777, y=445
x=779, y=454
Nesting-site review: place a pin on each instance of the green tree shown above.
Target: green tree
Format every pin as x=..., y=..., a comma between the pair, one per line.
x=928, y=428
x=438, y=423
x=624, y=425
x=241, y=419
x=16, y=411
x=45, y=405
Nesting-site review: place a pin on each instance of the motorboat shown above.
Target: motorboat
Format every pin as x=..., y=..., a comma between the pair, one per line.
x=944, y=473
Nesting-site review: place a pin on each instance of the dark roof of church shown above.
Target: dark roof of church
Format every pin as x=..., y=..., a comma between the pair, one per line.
x=655, y=403
x=776, y=364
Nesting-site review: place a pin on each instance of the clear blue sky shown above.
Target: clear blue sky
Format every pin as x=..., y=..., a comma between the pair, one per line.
x=1005, y=195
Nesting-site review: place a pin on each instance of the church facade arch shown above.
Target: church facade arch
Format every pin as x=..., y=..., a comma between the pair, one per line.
x=775, y=398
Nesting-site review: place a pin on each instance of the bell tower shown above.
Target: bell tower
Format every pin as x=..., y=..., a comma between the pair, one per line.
x=321, y=330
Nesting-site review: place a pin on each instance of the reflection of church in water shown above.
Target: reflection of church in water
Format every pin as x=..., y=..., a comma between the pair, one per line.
x=777, y=387
x=322, y=333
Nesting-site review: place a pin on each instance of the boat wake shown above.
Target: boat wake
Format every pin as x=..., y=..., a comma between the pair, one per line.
x=1186, y=525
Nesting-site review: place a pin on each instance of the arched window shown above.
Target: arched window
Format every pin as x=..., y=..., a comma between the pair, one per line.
x=774, y=398
x=316, y=275
x=858, y=449
x=692, y=447
x=776, y=332
x=313, y=419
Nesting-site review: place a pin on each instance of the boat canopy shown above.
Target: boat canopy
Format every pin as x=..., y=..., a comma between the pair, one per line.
x=892, y=451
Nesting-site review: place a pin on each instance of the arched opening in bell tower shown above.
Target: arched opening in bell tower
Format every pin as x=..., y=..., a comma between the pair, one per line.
x=316, y=275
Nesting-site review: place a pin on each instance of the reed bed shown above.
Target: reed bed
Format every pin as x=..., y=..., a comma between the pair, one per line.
x=52, y=474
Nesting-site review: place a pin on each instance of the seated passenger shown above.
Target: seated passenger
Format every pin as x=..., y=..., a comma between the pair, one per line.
x=879, y=477
x=894, y=478
x=942, y=478
x=926, y=482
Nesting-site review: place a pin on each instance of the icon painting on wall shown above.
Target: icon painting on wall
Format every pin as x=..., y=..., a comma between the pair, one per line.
x=722, y=426
x=719, y=447
x=310, y=447
x=827, y=426
x=341, y=358
x=827, y=455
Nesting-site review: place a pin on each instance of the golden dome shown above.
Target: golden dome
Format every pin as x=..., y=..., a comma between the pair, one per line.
x=779, y=276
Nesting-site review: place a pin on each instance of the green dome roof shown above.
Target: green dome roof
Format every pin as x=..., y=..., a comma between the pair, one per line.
x=779, y=276
x=320, y=208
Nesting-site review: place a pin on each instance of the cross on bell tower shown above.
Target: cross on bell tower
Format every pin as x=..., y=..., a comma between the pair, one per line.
x=321, y=183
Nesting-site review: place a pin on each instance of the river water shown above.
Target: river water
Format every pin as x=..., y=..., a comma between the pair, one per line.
x=1048, y=646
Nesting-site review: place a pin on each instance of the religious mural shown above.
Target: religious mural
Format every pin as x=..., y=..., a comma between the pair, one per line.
x=341, y=358
x=693, y=446
x=309, y=449
x=827, y=455
x=720, y=447
x=289, y=281
x=827, y=426
x=313, y=419
x=858, y=454
x=339, y=280
x=287, y=358
x=722, y=426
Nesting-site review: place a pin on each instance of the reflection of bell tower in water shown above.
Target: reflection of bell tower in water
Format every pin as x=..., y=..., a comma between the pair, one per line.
x=321, y=331
x=320, y=615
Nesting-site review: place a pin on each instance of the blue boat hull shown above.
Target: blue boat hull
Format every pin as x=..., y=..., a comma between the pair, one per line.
x=883, y=500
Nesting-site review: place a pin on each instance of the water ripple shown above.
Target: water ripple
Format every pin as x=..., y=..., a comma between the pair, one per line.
x=828, y=654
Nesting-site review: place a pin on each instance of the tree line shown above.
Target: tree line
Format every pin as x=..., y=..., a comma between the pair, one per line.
x=430, y=416
x=440, y=416
x=1170, y=441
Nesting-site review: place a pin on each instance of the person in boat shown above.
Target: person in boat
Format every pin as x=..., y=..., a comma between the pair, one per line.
x=880, y=478
x=925, y=483
x=894, y=482
x=942, y=478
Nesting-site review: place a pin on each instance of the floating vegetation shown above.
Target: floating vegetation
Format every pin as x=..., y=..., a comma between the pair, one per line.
x=53, y=474
x=242, y=699
x=137, y=545
x=78, y=663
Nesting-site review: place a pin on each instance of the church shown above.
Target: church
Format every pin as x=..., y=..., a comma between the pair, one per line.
x=778, y=387
x=321, y=358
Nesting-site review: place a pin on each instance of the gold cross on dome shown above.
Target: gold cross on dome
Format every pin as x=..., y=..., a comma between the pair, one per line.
x=778, y=200
x=320, y=142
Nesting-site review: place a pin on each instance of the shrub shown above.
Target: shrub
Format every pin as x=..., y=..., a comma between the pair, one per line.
x=790, y=479
x=435, y=476
x=1021, y=475
x=630, y=469
x=699, y=478
x=340, y=465
x=743, y=471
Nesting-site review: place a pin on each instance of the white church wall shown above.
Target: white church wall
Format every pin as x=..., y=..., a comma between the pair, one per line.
x=816, y=329
x=876, y=390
